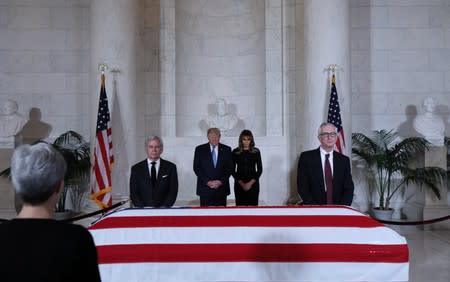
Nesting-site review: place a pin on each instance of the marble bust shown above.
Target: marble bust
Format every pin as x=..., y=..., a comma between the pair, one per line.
x=222, y=119
x=11, y=122
x=430, y=125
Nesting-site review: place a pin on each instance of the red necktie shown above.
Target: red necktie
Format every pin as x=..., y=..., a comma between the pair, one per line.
x=328, y=180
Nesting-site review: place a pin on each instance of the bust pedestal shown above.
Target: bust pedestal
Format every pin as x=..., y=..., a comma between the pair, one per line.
x=7, y=209
x=7, y=142
x=6, y=151
x=434, y=207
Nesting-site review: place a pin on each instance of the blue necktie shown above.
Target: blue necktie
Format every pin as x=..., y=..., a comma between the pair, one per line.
x=214, y=158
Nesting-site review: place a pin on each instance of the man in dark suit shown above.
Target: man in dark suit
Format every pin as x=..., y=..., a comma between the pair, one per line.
x=312, y=177
x=213, y=166
x=153, y=181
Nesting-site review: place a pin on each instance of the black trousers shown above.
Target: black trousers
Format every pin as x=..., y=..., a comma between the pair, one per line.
x=246, y=198
x=213, y=199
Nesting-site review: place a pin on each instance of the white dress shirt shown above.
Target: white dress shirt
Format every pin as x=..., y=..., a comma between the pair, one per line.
x=149, y=163
x=330, y=158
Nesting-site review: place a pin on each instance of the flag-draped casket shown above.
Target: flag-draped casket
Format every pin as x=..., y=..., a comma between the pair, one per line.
x=302, y=243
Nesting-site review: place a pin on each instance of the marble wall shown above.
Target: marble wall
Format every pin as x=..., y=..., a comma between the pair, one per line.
x=191, y=60
x=220, y=67
x=44, y=59
x=400, y=54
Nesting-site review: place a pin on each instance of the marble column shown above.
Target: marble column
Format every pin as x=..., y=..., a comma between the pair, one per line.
x=326, y=42
x=113, y=41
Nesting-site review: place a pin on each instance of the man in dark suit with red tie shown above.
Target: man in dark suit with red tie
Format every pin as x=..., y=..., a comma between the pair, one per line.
x=213, y=166
x=153, y=181
x=324, y=175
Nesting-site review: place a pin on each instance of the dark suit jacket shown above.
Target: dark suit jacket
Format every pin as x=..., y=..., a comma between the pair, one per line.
x=310, y=180
x=165, y=191
x=205, y=170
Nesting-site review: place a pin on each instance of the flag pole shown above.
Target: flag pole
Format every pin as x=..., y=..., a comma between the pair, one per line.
x=102, y=67
x=101, y=185
x=334, y=115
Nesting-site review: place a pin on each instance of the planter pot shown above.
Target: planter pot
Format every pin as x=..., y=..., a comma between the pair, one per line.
x=382, y=214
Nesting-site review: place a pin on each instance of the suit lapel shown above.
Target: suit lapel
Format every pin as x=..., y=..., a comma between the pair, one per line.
x=162, y=170
x=219, y=153
x=336, y=167
x=210, y=156
x=145, y=172
x=319, y=168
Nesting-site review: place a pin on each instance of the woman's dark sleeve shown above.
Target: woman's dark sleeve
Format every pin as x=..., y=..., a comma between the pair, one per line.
x=259, y=167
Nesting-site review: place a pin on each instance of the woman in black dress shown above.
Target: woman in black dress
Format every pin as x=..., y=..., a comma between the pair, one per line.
x=247, y=170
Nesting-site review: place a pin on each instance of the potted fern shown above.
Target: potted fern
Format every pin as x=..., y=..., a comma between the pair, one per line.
x=76, y=152
x=388, y=159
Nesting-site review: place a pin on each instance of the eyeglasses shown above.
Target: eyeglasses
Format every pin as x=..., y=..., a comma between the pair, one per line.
x=328, y=134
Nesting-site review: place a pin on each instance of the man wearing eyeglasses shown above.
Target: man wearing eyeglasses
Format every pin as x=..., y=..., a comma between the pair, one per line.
x=324, y=175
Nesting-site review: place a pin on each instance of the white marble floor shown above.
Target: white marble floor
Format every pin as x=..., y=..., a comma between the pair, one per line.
x=429, y=254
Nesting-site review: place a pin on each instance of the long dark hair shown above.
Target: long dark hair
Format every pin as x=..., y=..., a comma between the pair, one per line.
x=246, y=133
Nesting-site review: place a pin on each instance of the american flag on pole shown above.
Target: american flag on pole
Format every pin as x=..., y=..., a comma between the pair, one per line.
x=313, y=243
x=103, y=156
x=334, y=116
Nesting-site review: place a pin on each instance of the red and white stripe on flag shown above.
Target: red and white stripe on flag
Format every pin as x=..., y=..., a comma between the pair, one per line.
x=334, y=116
x=103, y=155
x=340, y=142
x=248, y=244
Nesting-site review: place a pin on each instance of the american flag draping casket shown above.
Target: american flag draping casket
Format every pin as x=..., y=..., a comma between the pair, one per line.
x=305, y=243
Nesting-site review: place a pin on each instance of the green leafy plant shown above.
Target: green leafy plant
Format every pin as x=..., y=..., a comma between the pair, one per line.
x=76, y=152
x=388, y=159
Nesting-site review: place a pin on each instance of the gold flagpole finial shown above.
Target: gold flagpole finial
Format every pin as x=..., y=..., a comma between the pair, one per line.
x=102, y=67
x=332, y=68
